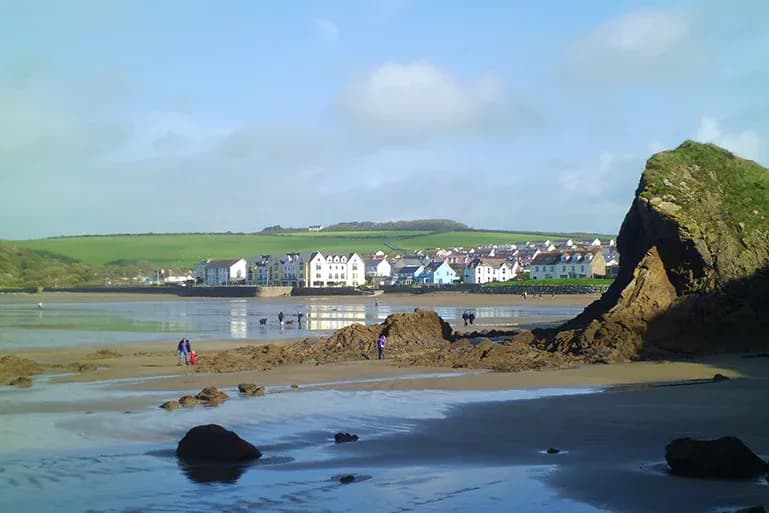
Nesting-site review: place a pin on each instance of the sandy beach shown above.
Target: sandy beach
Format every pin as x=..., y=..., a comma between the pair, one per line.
x=445, y=439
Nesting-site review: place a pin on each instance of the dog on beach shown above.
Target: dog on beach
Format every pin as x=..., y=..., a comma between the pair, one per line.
x=262, y=322
x=289, y=323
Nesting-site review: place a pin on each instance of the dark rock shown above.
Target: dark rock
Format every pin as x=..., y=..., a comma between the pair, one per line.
x=725, y=458
x=341, y=438
x=170, y=405
x=294, y=385
x=213, y=443
x=553, y=450
x=86, y=367
x=21, y=382
x=752, y=509
x=720, y=377
x=251, y=389
x=188, y=401
x=211, y=396
x=347, y=478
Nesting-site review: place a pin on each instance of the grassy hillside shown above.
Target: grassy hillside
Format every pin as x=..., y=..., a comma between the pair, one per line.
x=183, y=250
x=22, y=268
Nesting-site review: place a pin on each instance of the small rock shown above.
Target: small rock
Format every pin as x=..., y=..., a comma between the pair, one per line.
x=188, y=401
x=553, y=450
x=212, y=396
x=752, y=509
x=21, y=382
x=720, y=377
x=251, y=389
x=213, y=443
x=170, y=405
x=349, y=478
x=725, y=458
x=341, y=438
x=294, y=385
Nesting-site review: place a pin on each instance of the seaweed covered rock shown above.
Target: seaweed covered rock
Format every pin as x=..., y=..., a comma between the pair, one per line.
x=724, y=458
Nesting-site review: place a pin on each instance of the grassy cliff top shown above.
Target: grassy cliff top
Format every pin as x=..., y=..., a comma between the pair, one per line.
x=696, y=173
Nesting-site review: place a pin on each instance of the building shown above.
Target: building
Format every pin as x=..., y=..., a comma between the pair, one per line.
x=485, y=270
x=378, y=268
x=437, y=273
x=568, y=264
x=225, y=272
x=347, y=270
x=407, y=275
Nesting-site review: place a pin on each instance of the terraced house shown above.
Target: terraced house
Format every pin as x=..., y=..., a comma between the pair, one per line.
x=568, y=264
x=347, y=270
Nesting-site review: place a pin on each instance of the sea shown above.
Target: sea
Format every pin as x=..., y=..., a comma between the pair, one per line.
x=54, y=458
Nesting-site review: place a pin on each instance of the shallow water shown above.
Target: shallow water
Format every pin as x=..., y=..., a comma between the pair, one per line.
x=125, y=462
x=66, y=324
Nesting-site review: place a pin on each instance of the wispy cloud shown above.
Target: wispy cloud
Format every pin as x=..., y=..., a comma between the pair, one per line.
x=327, y=29
x=744, y=143
x=645, y=45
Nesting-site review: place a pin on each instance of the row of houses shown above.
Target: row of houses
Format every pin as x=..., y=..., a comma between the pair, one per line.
x=317, y=269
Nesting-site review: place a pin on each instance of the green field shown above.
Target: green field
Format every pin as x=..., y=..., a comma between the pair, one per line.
x=184, y=250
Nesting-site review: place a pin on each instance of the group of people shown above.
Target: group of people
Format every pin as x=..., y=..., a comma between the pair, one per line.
x=299, y=317
x=468, y=317
x=186, y=355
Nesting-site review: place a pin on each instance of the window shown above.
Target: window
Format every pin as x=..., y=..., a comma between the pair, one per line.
x=317, y=267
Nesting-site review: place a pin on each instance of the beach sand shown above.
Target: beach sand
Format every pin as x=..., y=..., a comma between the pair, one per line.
x=612, y=439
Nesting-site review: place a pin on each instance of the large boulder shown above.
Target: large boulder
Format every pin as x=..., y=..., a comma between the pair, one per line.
x=725, y=458
x=213, y=443
x=694, y=264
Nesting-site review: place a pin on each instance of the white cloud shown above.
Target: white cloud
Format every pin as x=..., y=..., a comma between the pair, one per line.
x=746, y=143
x=327, y=29
x=419, y=97
x=646, y=45
x=604, y=175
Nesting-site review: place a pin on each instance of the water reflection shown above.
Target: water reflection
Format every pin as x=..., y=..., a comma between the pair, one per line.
x=238, y=320
x=334, y=317
x=213, y=472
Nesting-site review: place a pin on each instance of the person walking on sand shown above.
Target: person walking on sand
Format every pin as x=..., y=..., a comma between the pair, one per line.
x=188, y=350
x=471, y=317
x=181, y=348
x=280, y=318
x=380, y=344
x=299, y=316
x=465, y=316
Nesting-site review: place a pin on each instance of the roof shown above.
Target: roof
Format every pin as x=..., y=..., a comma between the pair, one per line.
x=432, y=267
x=223, y=263
x=551, y=258
x=409, y=269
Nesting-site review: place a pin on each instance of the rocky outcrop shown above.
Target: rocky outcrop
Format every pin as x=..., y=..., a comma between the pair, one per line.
x=12, y=366
x=170, y=405
x=21, y=382
x=213, y=443
x=694, y=266
x=188, y=401
x=407, y=334
x=724, y=458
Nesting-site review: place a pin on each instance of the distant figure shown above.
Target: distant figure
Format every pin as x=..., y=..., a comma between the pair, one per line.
x=193, y=358
x=40, y=306
x=299, y=316
x=471, y=317
x=465, y=317
x=183, y=348
x=262, y=322
x=376, y=302
x=380, y=345
x=280, y=318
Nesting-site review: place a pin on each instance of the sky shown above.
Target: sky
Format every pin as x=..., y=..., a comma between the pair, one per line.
x=197, y=116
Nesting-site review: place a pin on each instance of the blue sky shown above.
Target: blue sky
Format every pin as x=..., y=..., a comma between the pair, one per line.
x=187, y=116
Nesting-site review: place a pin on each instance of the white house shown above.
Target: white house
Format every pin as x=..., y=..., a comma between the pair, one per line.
x=485, y=270
x=347, y=270
x=225, y=272
x=378, y=268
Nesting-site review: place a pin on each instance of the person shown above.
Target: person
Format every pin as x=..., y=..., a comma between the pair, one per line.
x=299, y=316
x=471, y=317
x=181, y=348
x=376, y=302
x=188, y=350
x=380, y=344
x=193, y=357
x=280, y=318
x=465, y=316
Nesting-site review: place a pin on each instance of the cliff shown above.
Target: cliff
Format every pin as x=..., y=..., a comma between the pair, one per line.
x=694, y=264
